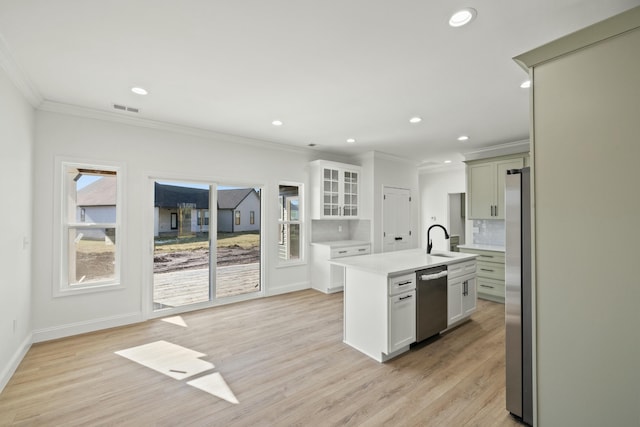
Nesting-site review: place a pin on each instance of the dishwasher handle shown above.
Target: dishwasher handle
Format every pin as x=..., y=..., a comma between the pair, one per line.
x=434, y=276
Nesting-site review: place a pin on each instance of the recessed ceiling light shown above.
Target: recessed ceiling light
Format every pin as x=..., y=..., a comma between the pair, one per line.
x=351, y=140
x=463, y=138
x=447, y=162
x=526, y=84
x=415, y=120
x=462, y=17
x=139, y=90
x=277, y=123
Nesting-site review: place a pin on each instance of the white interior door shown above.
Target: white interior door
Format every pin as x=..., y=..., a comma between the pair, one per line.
x=396, y=219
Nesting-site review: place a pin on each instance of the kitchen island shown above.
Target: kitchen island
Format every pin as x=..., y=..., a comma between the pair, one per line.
x=380, y=297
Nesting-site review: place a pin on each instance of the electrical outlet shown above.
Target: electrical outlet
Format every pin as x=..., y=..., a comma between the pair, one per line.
x=339, y=229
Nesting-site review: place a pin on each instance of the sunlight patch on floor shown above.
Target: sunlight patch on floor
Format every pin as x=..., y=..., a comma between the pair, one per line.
x=169, y=359
x=179, y=363
x=216, y=385
x=175, y=320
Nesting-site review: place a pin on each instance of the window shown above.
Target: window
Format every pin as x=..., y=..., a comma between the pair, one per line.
x=89, y=227
x=290, y=222
x=252, y=217
x=237, y=213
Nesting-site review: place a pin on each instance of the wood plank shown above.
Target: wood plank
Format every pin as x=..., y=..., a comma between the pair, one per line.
x=283, y=358
x=191, y=286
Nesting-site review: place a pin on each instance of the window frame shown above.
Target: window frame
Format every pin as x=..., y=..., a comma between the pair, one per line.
x=282, y=221
x=60, y=284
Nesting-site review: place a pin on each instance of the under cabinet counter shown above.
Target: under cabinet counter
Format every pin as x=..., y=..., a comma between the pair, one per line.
x=329, y=278
x=490, y=271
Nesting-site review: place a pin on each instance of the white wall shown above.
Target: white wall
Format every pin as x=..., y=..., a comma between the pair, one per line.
x=16, y=146
x=435, y=187
x=221, y=159
x=586, y=150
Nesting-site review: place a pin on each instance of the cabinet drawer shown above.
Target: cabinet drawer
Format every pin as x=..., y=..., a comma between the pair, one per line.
x=489, y=256
x=403, y=283
x=461, y=268
x=490, y=287
x=350, y=251
x=490, y=270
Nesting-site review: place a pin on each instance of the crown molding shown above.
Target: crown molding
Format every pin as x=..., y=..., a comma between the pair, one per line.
x=433, y=167
x=385, y=156
x=608, y=28
x=17, y=76
x=125, y=118
x=498, y=150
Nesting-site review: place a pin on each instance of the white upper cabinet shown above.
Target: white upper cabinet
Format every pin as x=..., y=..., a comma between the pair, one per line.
x=335, y=190
x=485, y=187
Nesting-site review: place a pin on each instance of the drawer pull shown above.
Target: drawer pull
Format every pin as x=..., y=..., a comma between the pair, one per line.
x=398, y=238
x=486, y=286
x=361, y=250
x=408, y=282
x=342, y=252
x=403, y=298
x=486, y=269
x=486, y=256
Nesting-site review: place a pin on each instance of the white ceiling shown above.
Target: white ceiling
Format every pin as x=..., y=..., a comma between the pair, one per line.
x=329, y=69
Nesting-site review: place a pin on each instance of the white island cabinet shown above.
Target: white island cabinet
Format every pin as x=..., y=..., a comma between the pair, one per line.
x=380, y=298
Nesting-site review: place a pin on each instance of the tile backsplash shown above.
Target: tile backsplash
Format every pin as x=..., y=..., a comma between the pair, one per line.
x=351, y=229
x=488, y=232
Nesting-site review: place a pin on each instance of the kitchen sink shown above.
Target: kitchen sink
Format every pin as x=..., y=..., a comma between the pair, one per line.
x=442, y=255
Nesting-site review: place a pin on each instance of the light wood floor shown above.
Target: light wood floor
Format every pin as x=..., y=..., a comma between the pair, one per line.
x=284, y=360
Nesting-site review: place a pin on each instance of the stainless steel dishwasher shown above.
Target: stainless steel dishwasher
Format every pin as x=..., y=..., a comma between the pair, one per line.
x=431, y=302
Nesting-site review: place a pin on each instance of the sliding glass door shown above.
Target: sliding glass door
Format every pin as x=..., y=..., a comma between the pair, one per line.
x=186, y=270
x=238, y=241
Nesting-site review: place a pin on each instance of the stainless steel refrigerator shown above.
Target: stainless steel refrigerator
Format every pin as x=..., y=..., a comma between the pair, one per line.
x=518, y=315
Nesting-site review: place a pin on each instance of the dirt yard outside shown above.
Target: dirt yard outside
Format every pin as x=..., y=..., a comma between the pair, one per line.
x=95, y=259
x=174, y=254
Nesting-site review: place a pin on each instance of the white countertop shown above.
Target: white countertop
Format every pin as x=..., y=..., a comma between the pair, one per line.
x=342, y=243
x=482, y=247
x=400, y=262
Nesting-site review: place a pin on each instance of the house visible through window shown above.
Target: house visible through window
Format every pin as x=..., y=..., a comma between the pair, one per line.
x=237, y=214
x=90, y=227
x=252, y=217
x=290, y=223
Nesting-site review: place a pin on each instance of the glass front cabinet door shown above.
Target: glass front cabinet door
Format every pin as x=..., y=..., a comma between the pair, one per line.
x=335, y=188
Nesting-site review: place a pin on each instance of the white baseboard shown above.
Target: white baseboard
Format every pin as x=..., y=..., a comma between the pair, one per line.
x=68, y=330
x=289, y=288
x=9, y=370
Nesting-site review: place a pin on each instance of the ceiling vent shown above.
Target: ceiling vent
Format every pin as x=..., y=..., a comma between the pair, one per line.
x=125, y=108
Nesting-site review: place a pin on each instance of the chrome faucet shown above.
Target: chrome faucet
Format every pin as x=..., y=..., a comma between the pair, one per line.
x=429, y=243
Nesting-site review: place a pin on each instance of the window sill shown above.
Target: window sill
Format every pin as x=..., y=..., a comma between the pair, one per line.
x=287, y=264
x=81, y=290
